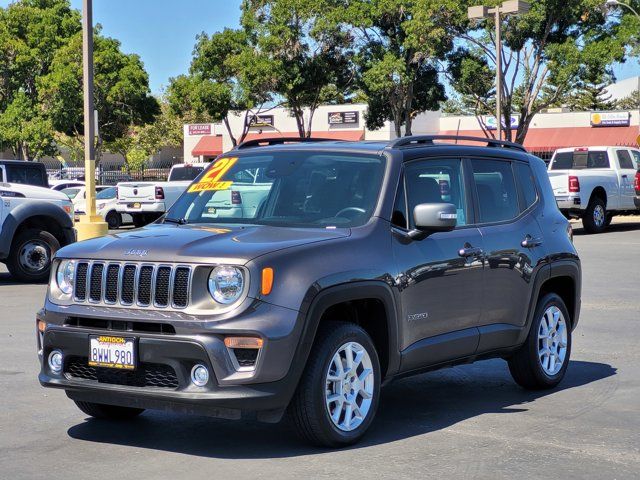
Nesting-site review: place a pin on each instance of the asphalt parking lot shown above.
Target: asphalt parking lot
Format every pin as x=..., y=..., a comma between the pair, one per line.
x=465, y=422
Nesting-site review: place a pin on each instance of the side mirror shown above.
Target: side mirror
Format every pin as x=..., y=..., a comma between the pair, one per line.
x=433, y=217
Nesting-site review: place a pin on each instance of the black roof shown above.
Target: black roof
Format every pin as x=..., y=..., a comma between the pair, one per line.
x=436, y=142
x=18, y=162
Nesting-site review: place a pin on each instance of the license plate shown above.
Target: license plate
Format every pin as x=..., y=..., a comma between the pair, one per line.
x=135, y=205
x=112, y=352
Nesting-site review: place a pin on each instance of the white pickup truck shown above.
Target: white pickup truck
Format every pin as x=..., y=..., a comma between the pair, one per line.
x=595, y=183
x=147, y=201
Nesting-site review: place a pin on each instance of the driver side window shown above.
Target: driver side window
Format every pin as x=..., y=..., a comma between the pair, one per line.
x=435, y=181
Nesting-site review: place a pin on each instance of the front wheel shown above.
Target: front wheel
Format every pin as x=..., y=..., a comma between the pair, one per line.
x=108, y=412
x=339, y=391
x=543, y=359
x=114, y=220
x=30, y=255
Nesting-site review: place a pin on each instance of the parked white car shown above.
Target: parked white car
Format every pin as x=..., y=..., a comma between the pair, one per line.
x=34, y=223
x=595, y=183
x=147, y=201
x=60, y=185
x=106, y=200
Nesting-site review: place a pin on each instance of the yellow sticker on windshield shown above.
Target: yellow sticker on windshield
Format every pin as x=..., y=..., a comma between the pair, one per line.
x=212, y=179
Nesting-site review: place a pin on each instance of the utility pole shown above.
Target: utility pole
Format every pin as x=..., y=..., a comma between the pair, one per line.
x=90, y=224
x=480, y=12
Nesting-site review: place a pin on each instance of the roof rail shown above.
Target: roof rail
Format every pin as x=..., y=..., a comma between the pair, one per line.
x=428, y=140
x=264, y=142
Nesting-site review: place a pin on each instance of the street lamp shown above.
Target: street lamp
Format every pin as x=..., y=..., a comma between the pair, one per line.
x=611, y=4
x=514, y=7
x=90, y=224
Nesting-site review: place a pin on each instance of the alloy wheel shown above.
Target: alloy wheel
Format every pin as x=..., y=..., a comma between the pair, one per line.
x=552, y=341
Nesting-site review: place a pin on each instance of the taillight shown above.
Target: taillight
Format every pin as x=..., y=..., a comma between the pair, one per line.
x=574, y=184
x=159, y=193
x=236, y=199
x=636, y=183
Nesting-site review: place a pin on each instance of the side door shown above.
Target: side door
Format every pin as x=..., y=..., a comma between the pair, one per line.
x=626, y=176
x=508, y=205
x=440, y=276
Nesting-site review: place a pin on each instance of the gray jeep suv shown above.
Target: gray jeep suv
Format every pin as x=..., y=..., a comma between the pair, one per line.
x=302, y=276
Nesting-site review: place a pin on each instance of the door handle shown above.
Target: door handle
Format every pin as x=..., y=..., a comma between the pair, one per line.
x=468, y=251
x=530, y=242
x=624, y=176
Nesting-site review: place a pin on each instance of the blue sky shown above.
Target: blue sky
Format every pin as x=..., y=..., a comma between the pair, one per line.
x=163, y=32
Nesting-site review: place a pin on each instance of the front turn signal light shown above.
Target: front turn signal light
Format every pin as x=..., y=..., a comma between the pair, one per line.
x=243, y=342
x=267, y=280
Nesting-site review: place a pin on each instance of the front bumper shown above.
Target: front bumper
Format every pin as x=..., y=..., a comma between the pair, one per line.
x=162, y=379
x=154, y=207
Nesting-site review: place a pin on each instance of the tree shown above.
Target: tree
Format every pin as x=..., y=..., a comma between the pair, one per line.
x=31, y=32
x=549, y=53
x=592, y=95
x=630, y=102
x=121, y=91
x=227, y=77
x=399, y=43
x=308, y=56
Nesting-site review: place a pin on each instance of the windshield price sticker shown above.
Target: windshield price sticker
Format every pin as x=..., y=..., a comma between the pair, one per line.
x=212, y=179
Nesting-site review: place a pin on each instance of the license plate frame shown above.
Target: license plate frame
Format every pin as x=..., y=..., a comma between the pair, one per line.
x=109, y=355
x=136, y=205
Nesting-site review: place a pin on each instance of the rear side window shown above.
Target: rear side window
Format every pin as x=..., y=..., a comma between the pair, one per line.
x=496, y=188
x=526, y=185
x=624, y=159
x=26, y=175
x=580, y=159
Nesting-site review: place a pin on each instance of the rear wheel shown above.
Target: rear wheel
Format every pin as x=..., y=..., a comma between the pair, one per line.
x=30, y=256
x=594, y=219
x=108, y=412
x=114, y=220
x=338, y=393
x=543, y=359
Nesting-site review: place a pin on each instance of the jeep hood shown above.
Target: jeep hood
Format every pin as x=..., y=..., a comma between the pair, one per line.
x=197, y=243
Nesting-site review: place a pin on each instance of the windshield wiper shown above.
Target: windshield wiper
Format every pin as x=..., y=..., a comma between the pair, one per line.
x=179, y=221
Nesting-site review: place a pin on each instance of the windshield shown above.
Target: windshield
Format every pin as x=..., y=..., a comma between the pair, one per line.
x=188, y=172
x=107, y=193
x=289, y=189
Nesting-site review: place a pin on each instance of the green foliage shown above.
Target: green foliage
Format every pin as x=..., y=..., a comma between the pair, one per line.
x=632, y=102
x=399, y=44
x=304, y=56
x=31, y=31
x=559, y=51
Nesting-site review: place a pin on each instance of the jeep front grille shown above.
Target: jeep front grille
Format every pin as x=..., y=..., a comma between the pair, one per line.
x=127, y=284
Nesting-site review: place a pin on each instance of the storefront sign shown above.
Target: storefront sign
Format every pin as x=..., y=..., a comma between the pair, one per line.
x=610, y=119
x=261, y=121
x=490, y=122
x=343, y=118
x=200, y=129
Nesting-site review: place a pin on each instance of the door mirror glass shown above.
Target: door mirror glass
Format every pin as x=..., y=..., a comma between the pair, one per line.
x=435, y=217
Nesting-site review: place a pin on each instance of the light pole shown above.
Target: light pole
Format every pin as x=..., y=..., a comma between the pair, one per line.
x=480, y=12
x=90, y=224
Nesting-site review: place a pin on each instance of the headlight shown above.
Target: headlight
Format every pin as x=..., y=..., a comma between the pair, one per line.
x=226, y=284
x=64, y=276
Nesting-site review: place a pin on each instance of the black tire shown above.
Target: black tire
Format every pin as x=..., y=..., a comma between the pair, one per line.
x=308, y=409
x=114, y=220
x=608, y=220
x=25, y=240
x=108, y=412
x=525, y=365
x=588, y=220
x=138, y=220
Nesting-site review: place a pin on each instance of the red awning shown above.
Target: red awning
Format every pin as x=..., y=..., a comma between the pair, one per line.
x=352, y=135
x=552, y=138
x=208, y=145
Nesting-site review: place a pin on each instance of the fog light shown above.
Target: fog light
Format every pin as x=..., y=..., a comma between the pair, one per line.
x=199, y=375
x=56, y=361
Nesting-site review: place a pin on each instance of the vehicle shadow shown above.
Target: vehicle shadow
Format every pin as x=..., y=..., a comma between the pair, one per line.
x=408, y=407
